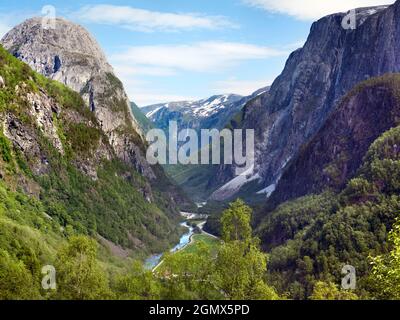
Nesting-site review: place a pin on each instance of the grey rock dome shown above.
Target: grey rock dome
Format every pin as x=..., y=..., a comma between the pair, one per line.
x=69, y=54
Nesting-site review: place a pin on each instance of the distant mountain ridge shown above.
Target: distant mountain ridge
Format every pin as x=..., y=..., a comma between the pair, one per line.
x=213, y=112
x=216, y=112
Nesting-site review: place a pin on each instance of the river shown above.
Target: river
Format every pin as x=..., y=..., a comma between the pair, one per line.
x=155, y=259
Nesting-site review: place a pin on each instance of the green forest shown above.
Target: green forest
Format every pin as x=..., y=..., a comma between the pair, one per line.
x=311, y=238
x=82, y=274
x=237, y=270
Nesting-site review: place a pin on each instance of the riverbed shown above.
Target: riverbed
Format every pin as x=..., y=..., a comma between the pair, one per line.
x=155, y=259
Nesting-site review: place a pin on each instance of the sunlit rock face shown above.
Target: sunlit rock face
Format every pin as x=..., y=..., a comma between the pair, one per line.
x=314, y=80
x=69, y=54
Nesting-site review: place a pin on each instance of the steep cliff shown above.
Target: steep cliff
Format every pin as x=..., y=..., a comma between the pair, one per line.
x=70, y=55
x=54, y=153
x=314, y=80
x=335, y=154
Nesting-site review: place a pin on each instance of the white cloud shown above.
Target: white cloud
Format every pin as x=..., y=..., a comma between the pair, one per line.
x=313, y=9
x=125, y=70
x=143, y=92
x=241, y=87
x=147, y=21
x=197, y=57
x=170, y=60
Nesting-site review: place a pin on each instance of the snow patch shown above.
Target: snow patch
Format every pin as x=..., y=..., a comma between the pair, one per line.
x=268, y=190
x=239, y=181
x=207, y=108
x=151, y=113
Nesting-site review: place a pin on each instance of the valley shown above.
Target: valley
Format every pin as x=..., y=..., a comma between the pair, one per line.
x=188, y=242
x=84, y=191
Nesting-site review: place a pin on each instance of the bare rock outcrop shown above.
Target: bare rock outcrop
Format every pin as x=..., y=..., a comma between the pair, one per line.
x=70, y=55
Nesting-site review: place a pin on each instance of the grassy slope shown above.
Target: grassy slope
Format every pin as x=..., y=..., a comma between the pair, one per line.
x=193, y=179
x=209, y=241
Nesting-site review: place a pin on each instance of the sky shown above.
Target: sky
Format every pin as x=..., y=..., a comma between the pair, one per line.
x=172, y=50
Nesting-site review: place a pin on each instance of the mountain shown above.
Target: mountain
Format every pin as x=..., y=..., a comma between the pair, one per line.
x=338, y=198
x=343, y=192
x=55, y=157
x=70, y=55
x=314, y=80
x=144, y=123
x=213, y=112
x=335, y=153
x=217, y=112
x=81, y=152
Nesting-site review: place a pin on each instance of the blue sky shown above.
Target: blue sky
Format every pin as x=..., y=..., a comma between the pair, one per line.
x=168, y=50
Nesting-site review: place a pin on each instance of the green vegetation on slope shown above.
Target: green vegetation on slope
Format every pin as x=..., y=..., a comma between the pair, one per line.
x=193, y=179
x=200, y=240
x=145, y=124
x=235, y=270
x=112, y=204
x=52, y=217
x=385, y=275
x=310, y=239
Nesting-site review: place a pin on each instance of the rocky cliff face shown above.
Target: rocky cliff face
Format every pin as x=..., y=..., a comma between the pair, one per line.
x=314, y=80
x=44, y=110
x=53, y=148
x=336, y=152
x=70, y=55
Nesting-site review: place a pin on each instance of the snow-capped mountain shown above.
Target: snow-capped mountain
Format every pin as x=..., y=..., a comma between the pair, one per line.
x=213, y=112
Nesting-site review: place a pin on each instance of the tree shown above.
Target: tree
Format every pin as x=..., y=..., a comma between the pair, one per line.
x=16, y=282
x=385, y=276
x=78, y=273
x=189, y=275
x=138, y=284
x=235, y=222
x=329, y=291
x=240, y=264
x=240, y=271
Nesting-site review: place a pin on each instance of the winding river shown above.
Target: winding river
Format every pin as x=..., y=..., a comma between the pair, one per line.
x=155, y=259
